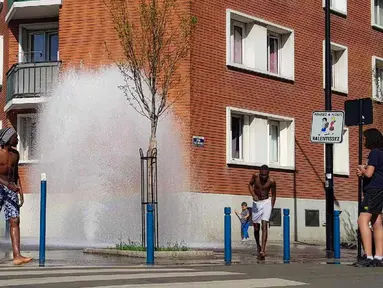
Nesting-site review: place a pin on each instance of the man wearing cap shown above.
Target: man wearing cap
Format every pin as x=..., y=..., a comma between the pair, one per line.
x=9, y=190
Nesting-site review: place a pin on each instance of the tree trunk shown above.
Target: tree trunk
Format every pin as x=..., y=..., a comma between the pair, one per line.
x=152, y=152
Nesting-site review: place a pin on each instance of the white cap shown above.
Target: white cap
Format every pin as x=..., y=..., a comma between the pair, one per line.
x=43, y=177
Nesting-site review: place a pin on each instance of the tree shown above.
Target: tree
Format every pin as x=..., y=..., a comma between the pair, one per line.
x=155, y=37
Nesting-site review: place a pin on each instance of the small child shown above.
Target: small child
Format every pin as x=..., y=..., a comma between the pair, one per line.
x=245, y=221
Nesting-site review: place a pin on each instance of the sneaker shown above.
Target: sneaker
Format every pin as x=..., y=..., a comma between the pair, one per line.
x=377, y=263
x=364, y=263
x=243, y=239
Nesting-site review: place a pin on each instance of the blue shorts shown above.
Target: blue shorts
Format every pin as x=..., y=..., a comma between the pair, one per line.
x=10, y=201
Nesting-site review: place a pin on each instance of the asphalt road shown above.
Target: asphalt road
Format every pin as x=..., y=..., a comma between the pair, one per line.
x=209, y=276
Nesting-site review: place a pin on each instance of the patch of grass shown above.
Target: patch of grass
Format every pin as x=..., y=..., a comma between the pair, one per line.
x=134, y=246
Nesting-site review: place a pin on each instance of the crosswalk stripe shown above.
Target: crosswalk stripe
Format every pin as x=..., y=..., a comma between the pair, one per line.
x=71, y=279
x=30, y=267
x=246, y=283
x=85, y=271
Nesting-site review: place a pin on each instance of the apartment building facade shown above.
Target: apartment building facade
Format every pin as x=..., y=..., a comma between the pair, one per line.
x=256, y=75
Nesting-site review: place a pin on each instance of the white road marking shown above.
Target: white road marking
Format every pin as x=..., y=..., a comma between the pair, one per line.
x=36, y=267
x=246, y=283
x=71, y=279
x=86, y=271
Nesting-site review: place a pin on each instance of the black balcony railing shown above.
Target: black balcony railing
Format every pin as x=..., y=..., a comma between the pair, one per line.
x=25, y=80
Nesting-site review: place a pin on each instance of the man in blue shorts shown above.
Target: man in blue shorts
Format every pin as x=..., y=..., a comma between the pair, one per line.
x=9, y=190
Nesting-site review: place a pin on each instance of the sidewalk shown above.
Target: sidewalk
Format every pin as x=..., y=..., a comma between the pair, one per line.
x=243, y=253
x=299, y=252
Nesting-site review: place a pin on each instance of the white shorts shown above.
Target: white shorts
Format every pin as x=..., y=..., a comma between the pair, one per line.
x=261, y=211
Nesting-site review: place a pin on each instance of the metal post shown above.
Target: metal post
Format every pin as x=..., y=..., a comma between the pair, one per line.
x=43, y=207
x=337, y=236
x=227, y=221
x=360, y=179
x=286, y=236
x=329, y=181
x=142, y=198
x=150, y=235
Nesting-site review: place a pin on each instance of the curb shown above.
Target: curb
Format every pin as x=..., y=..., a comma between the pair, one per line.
x=157, y=254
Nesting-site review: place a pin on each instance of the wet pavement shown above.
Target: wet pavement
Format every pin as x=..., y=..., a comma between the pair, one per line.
x=243, y=253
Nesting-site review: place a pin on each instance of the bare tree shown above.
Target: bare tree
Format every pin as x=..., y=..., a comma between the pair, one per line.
x=156, y=38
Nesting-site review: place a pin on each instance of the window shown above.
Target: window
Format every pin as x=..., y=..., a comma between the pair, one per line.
x=274, y=141
x=338, y=6
x=312, y=218
x=377, y=79
x=255, y=138
x=276, y=217
x=42, y=46
x=377, y=13
x=260, y=46
x=39, y=42
x=236, y=136
x=237, y=42
x=339, y=66
x=273, y=46
x=341, y=156
x=26, y=128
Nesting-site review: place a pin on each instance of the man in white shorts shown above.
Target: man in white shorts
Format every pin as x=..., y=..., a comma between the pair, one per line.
x=260, y=186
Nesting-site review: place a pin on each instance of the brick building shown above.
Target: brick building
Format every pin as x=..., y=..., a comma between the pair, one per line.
x=256, y=75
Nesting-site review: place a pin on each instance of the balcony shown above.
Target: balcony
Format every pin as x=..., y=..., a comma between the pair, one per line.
x=32, y=9
x=28, y=84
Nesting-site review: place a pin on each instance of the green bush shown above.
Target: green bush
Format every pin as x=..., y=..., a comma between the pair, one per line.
x=134, y=246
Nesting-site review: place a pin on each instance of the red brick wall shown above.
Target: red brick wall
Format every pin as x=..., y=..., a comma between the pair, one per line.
x=214, y=87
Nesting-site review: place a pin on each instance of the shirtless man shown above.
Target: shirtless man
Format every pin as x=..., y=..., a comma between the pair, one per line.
x=9, y=177
x=259, y=187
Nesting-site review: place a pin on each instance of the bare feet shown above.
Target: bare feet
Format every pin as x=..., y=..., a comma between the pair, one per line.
x=261, y=256
x=21, y=260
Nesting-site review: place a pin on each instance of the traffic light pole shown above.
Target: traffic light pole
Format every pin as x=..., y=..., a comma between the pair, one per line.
x=329, y=177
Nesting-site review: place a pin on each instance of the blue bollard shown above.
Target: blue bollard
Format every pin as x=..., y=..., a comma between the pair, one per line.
x=43, y=209
x=227, y=211
x=337, y=236
x=150, y=235
x=286, y=236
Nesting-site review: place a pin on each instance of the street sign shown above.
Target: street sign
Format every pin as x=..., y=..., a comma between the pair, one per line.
x=327, y=127
x=199, y=141
x=358, y=112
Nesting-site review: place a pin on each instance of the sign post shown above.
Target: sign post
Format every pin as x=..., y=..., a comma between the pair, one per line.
x=358, y=113
x=327, y=128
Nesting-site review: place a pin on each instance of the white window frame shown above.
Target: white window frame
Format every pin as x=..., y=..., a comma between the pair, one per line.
x=240, y=138
x=337, y=172
x=375, y=60
x=35, y=26
x=242, y=26
x=337, y=47
x=231, y=16
x=373, y=18
x=231, y=111
x=334, y=9
x=19, y=148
